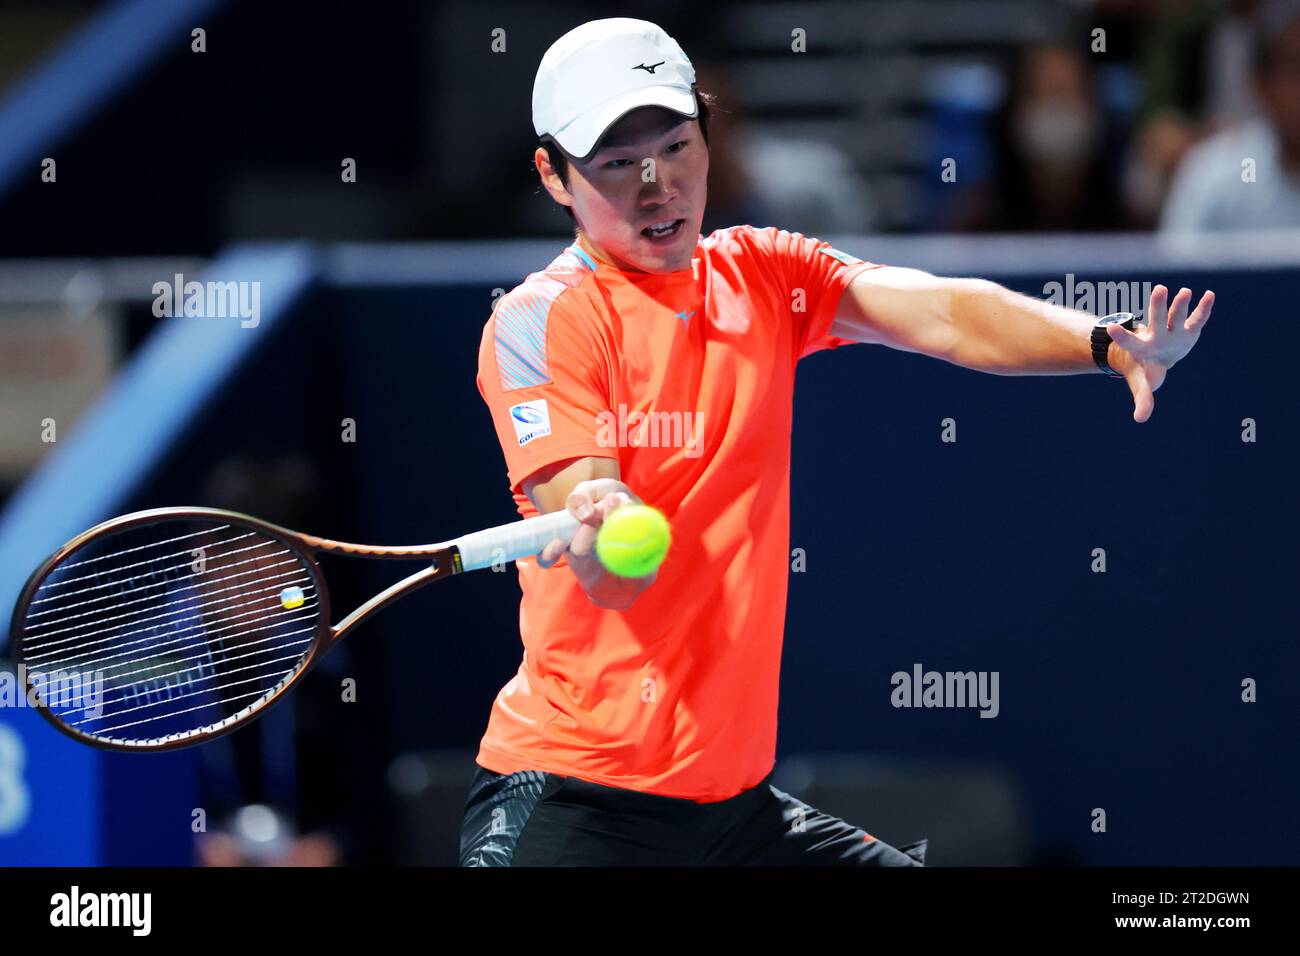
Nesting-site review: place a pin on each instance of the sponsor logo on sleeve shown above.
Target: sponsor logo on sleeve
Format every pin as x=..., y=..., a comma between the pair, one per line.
x=531, y=420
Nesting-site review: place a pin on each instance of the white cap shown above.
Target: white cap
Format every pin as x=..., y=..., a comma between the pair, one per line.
x=598, y=72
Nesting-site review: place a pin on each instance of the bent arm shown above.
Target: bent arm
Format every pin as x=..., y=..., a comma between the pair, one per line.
x=590, y=488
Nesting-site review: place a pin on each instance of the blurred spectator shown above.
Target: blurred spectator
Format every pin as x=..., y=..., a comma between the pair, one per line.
x=1230, y=97
x=809, y=186
x=965, y=103
x=1196, y=67
x=1050, y=152
x=1195, y=58
x=759, y=179
x=256, y=835
x=1248, y=176
x=1159, y=146
x=1173, y=52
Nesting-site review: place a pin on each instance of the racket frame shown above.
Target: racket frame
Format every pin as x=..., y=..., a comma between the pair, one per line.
x=444, y=561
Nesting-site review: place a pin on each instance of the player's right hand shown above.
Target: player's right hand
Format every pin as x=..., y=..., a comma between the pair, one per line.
x=591, y=502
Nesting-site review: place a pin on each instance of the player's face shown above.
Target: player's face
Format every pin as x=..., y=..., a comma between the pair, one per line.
x=651, y=169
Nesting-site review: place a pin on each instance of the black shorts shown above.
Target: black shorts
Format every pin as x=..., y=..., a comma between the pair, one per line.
x=534, y=818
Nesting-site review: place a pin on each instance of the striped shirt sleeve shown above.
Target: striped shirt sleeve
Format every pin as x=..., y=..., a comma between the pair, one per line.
x=544, y=376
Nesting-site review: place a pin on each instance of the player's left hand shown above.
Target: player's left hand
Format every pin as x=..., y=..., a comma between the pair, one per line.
x=1143, y=357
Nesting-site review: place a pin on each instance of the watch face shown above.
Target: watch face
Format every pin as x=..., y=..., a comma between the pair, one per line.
x=1123, y=318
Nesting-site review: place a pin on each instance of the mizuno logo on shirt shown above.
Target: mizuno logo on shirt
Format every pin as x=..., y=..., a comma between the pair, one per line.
x=650, y=69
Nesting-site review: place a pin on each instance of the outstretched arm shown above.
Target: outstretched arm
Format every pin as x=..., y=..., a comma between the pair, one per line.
x=981, y=325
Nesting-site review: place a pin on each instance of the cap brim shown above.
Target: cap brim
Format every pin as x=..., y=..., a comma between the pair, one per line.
x=581, y=137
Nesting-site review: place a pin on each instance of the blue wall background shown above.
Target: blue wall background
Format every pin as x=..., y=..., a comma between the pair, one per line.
x=1119, y=690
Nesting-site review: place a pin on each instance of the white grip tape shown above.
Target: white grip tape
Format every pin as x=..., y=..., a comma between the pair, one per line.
x=510, y=542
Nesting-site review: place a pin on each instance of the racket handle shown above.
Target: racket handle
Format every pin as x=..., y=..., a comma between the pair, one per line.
x=510, y=542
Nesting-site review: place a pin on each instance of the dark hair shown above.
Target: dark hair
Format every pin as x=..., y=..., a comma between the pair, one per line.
x=560, y=160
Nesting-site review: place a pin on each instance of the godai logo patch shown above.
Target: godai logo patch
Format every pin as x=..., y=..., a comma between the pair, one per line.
x=531, y=420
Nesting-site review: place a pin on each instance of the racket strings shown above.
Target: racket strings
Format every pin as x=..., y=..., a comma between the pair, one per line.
x=276, y=619
x=174, y=648
x=186, y=607
x=127, y=567
x=152, y=544
x=136, y=590
x=227, y=659
x=224, y=701
x=180, y=696
x=103, y=732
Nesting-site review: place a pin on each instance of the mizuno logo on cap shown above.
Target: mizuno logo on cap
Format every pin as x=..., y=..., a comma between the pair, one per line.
x=650, y=69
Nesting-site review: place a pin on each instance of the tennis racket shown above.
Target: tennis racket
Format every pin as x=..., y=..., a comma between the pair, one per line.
x=167, y=628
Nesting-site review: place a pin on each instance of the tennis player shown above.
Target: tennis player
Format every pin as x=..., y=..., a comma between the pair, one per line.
x=650, y=363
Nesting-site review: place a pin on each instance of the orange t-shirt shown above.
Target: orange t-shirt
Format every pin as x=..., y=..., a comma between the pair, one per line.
x=687, y=379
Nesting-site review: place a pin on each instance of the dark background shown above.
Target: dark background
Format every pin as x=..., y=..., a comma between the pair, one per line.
x=1119, y=690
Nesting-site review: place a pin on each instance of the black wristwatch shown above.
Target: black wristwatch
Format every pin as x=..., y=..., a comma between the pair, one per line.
x=1101, y=338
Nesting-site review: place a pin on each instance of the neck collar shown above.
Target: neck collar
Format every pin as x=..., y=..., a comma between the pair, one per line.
x=584, y=252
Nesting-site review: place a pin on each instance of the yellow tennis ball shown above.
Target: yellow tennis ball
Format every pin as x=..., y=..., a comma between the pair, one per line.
x=633, y=541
